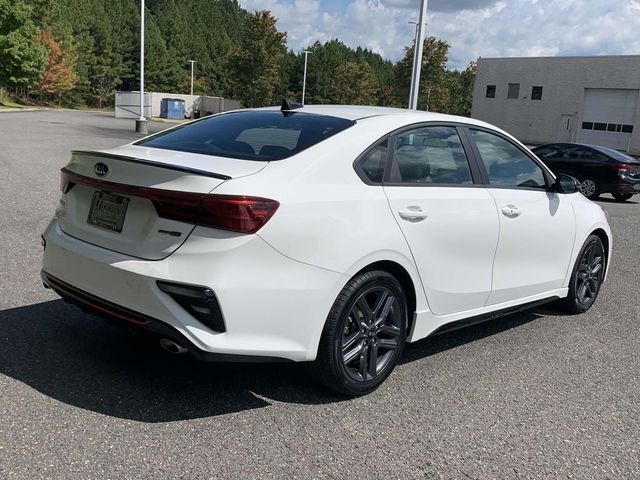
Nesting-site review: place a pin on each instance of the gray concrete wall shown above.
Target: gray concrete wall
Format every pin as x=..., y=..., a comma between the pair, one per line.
x=564, y=81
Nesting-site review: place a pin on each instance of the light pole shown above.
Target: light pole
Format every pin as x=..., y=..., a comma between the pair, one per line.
x=141, y=123
x=192, y=62
x=417, y=58
x=304, y=79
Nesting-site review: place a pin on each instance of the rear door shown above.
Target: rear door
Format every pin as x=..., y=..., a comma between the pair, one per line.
x=448, y=219
x=537, y=225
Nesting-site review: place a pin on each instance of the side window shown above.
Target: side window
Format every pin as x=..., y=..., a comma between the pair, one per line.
x=372, y=164
x=547, y=152
x=430, y=155
x=506, y=164
x=578, y=153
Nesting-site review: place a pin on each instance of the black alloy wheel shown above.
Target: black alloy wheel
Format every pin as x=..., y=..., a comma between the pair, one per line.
x=364, y=334
x=622, y=197
x=587, y=277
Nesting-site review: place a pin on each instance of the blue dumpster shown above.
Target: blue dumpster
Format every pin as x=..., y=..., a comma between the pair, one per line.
x=172, y=108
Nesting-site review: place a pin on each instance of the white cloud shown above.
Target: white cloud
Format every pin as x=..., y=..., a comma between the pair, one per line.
x=488, y=28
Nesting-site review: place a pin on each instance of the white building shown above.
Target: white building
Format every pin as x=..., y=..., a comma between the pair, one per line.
x=562, y=99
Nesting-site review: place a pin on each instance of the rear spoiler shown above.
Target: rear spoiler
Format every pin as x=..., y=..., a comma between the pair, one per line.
x=167, y=166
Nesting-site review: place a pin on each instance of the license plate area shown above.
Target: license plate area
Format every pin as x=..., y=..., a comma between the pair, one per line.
x=108, y=211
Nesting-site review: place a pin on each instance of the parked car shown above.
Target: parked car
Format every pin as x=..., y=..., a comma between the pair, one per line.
x=599, y=169
x=323, y=234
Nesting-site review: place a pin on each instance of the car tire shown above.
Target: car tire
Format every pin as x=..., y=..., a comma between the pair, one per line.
x=590, y=187
x=364, y=335
x=586, y=278
x=622, y=197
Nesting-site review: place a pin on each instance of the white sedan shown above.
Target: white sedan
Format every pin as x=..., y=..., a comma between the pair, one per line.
x=322, y=234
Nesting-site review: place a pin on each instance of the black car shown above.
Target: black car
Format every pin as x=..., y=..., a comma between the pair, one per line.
x=599, y=169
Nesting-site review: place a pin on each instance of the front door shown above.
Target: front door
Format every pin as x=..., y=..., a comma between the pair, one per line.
x=537, y=225
x=450, y=223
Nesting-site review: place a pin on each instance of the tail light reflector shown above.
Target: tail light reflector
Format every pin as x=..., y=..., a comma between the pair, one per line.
x=238, y=213
x=623, y=167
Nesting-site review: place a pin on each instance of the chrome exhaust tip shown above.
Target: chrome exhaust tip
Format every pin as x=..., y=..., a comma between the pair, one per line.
x=172, y=347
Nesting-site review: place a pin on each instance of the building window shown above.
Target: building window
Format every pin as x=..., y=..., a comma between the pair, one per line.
x=600, y=126
x=514, y=90
x=587, y=125
x=627, y=128
x=491, y=91
x=536, y=93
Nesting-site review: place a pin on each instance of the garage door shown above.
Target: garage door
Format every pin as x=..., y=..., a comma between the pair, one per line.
x=608, y=117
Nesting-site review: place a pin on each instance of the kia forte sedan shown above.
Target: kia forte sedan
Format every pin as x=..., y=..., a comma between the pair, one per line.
x=330, y=235
x=599, y=169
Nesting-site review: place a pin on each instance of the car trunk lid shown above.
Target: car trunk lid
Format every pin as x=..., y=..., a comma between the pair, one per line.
x=110, y=197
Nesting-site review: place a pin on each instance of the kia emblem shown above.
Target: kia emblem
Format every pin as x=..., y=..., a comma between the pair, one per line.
x=101, y=169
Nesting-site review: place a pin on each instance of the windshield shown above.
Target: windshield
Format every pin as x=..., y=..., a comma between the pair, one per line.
x=261, y=135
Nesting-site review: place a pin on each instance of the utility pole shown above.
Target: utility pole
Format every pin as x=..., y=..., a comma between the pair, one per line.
x=141, y=123
x=304, y=80
x=192, y=62
x=417, y=58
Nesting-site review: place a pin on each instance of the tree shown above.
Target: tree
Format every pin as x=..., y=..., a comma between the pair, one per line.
x=354, y=84
x=254, y=65
x=434, y=88
x=59, y=75
x=22, y=58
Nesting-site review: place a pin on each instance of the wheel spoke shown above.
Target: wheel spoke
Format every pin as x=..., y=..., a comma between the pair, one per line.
x=389, y=330
x=373, y=360
x=380, y=303
x=582, y=292
x=350, y=340
x=388, y=344
x=363, y=365
x=596, y=265
x=352, y=354
x=388, y=304
x=365, y=309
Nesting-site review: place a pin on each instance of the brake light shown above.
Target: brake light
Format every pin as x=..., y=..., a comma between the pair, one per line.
x=238, y=213
x=623, y=167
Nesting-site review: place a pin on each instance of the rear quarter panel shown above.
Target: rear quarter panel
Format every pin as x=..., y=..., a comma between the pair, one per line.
x=328, y=217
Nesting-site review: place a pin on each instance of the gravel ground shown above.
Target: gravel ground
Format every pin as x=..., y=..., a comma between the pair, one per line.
x=532, y=395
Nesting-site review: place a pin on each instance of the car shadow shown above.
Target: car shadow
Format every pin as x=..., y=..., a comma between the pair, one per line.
x=83, y=361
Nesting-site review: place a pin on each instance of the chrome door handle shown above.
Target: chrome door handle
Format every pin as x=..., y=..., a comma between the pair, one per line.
x=412, y=214
x=511, y=211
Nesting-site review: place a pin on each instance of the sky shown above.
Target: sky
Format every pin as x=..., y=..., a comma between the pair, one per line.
x=473, y=28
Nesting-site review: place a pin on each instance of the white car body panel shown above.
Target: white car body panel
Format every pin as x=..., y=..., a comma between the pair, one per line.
x=545, y=230
x=454, y=246
x=277, y=286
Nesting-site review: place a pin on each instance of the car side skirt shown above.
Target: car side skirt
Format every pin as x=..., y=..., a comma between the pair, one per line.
x=426, y=323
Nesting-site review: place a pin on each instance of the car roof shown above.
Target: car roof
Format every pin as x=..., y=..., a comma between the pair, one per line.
x=359, y=112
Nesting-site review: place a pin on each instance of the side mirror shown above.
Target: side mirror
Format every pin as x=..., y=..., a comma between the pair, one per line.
x=566, y=184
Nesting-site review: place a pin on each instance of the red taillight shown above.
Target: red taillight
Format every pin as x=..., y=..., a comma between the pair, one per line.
x=229, y=212
x=623, y=167
x=237, y=213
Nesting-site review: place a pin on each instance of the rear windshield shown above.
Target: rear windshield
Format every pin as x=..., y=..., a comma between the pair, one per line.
x=261, y=135
x=616, y=155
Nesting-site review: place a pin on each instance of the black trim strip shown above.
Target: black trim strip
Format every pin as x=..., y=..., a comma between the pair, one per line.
x=485, y=317
x=177, y=168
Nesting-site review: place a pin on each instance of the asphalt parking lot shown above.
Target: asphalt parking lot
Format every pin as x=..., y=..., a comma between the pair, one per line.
x=532, y=395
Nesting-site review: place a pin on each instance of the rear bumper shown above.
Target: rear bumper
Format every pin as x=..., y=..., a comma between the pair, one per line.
x=625, y=185
x=273, y=307
x=115, y=313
